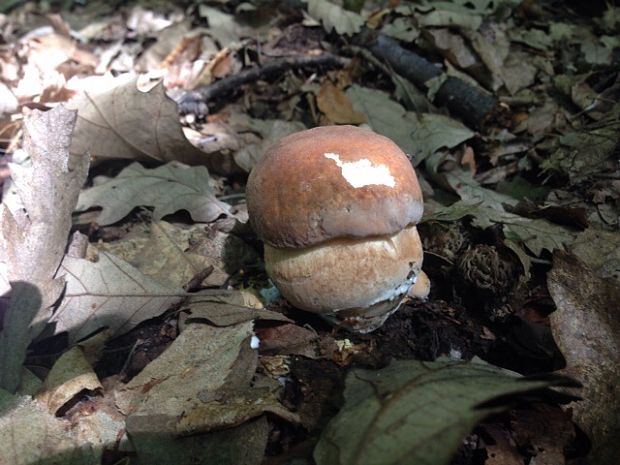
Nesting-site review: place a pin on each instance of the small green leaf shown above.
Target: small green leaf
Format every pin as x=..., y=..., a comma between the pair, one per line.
x=414, y=412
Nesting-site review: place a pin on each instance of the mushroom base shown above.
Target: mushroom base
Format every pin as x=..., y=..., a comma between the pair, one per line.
x=354, y=282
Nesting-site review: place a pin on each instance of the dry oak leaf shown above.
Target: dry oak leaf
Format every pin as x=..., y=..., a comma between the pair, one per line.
x=123, y=122
x=109, y=294
x=168, y=188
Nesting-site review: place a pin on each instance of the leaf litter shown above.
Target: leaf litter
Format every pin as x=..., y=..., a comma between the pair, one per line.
x=213, y=366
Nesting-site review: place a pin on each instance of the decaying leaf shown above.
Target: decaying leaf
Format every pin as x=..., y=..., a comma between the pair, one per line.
x=37, y=436
x=600, y=251
x=167, y=189
x=222, y=26
x=109, y=294
x=123, y=122
x=586, y=152
x=333, y=16
x=33, y=235
x=401, y=29
x=396, y=415
x=586, y=327
x=243, y=445
x=469, y=190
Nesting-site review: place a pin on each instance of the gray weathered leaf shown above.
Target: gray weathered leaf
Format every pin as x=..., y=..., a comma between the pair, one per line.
x=202, y=382
x=36, y=436
x=413, y=412
x=419, y=135
x=402, y=29
x=435, y=131
x=168, y=188
x=333, y=16
x=110, y=294
x=470, y=190
x=222, y=313
x=269, y=131
x=123, y=122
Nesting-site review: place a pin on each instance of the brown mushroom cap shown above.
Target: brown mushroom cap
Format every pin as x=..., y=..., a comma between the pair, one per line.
x=331, y=182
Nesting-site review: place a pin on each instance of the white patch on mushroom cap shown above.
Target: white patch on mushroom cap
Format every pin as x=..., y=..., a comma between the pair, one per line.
x=362, y=172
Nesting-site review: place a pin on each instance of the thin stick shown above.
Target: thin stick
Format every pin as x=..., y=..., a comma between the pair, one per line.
x=199, y=100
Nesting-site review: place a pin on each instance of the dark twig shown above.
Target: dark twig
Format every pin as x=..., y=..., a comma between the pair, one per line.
x=474, y=105
x=199, y=100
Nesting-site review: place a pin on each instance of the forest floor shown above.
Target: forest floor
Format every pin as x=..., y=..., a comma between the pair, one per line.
x=138, y=324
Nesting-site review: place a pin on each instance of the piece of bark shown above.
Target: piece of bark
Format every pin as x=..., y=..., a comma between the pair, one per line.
x=472, y=104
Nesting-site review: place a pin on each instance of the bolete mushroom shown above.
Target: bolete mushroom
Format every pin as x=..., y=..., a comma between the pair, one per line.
x=337, y=207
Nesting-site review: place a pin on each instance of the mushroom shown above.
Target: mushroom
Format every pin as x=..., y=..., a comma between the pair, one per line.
x=337, y=207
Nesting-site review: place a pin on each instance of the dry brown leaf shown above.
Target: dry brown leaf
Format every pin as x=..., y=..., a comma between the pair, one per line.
x=167, y=42
x=123, y=122
x=336, y=106
x=161, y=250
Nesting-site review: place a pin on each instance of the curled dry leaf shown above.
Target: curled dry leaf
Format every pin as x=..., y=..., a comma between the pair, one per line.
x=202, y=382
x=168, y=253
x=70, y=375
x=34, y=234
x=123, y=122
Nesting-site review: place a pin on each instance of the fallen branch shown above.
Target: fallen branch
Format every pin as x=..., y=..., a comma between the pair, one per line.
x=199, y=100
x=474, y=105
